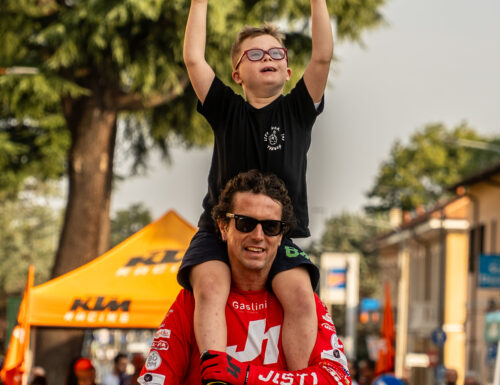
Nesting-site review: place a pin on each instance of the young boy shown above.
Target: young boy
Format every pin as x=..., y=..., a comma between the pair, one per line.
x=269, y=132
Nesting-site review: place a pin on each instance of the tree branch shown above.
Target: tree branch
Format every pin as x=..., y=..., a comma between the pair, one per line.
x=136, y=101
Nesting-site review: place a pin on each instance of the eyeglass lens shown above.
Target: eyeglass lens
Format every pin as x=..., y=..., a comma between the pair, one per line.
x=247, y=224
x=257, y=53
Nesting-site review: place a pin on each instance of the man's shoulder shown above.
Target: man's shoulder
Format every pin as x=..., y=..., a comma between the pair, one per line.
x=183, y=307
x=185, y=297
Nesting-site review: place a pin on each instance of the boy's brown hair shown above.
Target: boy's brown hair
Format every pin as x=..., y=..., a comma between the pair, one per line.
x=248, y=32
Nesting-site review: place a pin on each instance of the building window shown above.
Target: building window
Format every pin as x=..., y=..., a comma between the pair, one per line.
x=493, y=237
x=476, y=246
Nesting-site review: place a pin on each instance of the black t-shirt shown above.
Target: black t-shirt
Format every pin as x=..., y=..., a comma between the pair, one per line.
x=274, y=138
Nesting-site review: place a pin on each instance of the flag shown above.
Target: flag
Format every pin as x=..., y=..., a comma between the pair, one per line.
x=385, y=360
x=14, y=365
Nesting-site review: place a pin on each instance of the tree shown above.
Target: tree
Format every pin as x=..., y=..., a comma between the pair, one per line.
x=27, y=151
x=128, y=222
x=30, y=228
x=92, y=61
x=349, y=233
x=417, y=174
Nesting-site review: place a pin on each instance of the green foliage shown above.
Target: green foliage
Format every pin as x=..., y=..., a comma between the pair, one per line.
x=418, y=173
x=127, y=222
x=134, y=47
x=349, y=233
x=30, y=150
x=30, y=229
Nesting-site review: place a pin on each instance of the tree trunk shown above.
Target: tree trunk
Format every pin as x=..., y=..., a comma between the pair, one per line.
x=85, y=233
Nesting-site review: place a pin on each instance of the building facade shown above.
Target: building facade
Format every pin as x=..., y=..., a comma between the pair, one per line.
x=425, y=260
x=483, y=294
x=443, y=288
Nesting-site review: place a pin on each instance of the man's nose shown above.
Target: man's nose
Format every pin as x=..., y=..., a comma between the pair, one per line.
x=258, y=232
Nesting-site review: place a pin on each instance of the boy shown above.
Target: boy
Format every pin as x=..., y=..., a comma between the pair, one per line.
x=269, y=132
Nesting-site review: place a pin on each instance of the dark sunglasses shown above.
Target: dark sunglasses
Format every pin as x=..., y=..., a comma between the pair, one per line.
x=256, y=54
x=246, y=224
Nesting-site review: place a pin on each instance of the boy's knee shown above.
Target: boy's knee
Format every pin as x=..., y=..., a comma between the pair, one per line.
x=299, y=301
x=211, y=288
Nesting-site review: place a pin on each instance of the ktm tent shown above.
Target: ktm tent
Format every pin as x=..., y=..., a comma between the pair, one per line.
x=130, y=286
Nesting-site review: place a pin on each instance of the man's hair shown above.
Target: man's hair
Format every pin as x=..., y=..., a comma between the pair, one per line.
x=258, y=183
x=119, y=356
x=248, y=32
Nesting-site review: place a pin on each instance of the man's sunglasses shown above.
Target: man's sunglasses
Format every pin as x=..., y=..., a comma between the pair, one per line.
x=246, y=224
x=256, y=54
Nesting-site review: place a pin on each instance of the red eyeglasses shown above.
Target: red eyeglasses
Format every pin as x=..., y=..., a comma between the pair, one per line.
x=256, y=54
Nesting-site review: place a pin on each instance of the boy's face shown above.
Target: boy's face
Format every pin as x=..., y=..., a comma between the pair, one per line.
x=267, y=74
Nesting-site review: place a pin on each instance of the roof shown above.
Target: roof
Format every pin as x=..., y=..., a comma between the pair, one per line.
x=483, y=175
x=447, y=214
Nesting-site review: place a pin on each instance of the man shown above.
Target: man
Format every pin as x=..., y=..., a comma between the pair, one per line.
x=119, y=374
x=84, y=372
x=450, y=376
x=253, y=213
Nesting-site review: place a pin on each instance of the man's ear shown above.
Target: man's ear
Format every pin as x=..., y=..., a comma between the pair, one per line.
x=223, y=228
x=236, y=77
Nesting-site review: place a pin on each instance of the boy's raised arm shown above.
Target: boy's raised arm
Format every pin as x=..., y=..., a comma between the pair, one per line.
x=199, y=71
x=316, y=73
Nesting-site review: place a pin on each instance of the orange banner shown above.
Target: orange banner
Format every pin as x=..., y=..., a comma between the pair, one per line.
x=15, y=360
x=385, y=361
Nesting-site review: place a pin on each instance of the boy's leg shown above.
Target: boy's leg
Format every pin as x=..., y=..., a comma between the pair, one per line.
x=211, y=282
x=205, y=272
x=300, y=325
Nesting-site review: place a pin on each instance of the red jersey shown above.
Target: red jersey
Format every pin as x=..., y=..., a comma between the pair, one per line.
x=254, y=321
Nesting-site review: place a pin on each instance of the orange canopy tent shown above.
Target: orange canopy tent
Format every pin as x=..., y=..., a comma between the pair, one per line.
x=130, y=286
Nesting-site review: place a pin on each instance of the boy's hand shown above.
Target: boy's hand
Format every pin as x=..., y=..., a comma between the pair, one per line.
x=220, y=368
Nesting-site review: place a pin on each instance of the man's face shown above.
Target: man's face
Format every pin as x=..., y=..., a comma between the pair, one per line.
x=253, y=251
x=267, y=72
x=121, y=365
x=86, y=377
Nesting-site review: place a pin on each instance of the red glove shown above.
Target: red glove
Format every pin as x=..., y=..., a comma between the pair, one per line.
x=220, y=368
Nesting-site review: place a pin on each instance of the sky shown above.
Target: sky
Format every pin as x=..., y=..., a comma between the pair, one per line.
x=434, y=61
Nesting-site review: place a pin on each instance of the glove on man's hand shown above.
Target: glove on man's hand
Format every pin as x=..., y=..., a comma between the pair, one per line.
x=220, y=368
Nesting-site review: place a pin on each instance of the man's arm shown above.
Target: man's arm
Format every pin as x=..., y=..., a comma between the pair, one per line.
x=169, y=356
x=219, y=366
x=327, y=364
x=316, y=73
x=199, y=71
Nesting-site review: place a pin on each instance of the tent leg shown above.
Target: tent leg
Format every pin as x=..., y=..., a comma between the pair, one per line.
x=30, y=358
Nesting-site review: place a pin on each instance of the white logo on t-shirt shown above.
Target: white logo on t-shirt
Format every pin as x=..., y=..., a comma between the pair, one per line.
x=253, y=345
x=274, y=138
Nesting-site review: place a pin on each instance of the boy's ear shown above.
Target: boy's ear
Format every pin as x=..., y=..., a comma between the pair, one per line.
x=236, y=77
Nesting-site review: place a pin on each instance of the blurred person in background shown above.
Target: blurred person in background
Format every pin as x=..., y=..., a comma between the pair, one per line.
x=118, y=375
x=38, y=376
x=138, y=361
x=471, y=379
x=84, y=372
x=450, y=376
x=352, y=365
x=366, y=374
